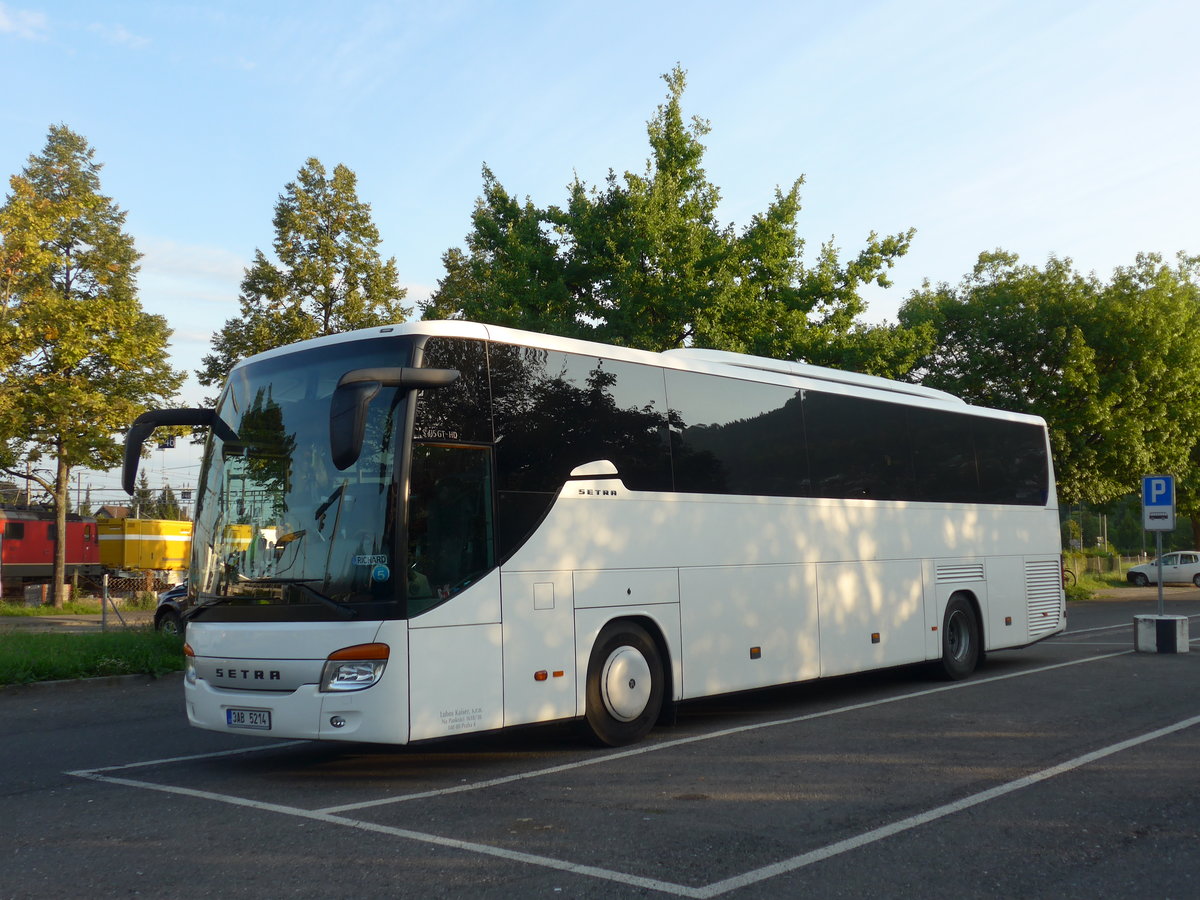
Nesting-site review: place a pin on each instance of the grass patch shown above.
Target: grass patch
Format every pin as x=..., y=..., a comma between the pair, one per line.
x=26, y=658
x=1091, y=582
x=81, y=607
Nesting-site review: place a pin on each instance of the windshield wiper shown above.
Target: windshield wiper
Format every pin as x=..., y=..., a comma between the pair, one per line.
x=319, y=513
x=345, y=611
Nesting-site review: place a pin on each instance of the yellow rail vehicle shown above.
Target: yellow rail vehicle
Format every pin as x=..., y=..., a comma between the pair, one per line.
x=145, y=544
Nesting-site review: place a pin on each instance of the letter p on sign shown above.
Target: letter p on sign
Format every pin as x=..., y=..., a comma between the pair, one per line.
x=1158, y=503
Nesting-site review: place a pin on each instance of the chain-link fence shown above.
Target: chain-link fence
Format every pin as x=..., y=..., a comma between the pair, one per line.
x=119, y=592
x=130, y=587
x=1101, y=565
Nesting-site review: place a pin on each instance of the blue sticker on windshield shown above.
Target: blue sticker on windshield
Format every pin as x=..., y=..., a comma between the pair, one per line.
x=381, y=573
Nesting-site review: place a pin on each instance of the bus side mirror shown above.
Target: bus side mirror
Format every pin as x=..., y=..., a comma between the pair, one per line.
x=348, y=420
x=145, y=424
x=353, y=395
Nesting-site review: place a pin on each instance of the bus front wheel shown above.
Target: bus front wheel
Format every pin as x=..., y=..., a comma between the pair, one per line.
x=961, y=639
x=625, y=684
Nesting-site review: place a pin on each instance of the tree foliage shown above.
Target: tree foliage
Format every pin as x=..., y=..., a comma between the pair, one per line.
x=644, y=261
x=145, y=504
x=80, y=358
x=142, y=502
x=1113, y=367
x=330, y=276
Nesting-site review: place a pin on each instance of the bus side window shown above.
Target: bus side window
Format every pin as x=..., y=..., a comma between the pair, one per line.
x=554, y=411
x=858, y=448
x=730, y=436
x=460, y=411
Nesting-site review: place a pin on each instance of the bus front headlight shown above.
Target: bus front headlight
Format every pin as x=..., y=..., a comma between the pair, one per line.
x=354, y=668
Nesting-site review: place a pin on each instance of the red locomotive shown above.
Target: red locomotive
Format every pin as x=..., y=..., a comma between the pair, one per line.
x=27, y=548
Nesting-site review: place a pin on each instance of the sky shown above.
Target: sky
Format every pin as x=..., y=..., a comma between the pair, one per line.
x=1043, y=128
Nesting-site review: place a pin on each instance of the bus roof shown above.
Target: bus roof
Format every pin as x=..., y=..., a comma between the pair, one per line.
x=805, y=370
x=714, y=361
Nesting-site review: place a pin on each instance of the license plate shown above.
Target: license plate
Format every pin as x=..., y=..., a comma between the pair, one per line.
x=248, y=718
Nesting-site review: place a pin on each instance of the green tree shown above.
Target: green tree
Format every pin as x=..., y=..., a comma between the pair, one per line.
x=142, y=502
x=25, y=247
x=11, y=493
x=1113, y=367
x=85, y=506
x=81, y=356
x=513, y=272
x=1188, y=493
x=645, y=262
x=659, y=268
x=330, y=277
x=790, y=310
x=165, y=505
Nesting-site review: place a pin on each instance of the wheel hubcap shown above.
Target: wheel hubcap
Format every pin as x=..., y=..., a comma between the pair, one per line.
x=626, y=684
x=958, y=636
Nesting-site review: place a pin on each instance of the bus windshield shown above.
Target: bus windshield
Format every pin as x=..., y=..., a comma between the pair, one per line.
x=281, y=533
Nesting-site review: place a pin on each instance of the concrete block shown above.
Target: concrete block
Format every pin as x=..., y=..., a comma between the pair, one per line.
x=1160, y=634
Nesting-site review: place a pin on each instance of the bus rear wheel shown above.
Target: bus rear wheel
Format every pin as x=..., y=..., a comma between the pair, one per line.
x=961, y=639
x=625, y=684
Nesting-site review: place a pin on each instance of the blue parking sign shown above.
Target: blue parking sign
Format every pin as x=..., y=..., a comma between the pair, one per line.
x=1158, y=503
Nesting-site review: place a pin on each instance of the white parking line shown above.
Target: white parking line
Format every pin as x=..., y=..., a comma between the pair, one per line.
x=1125, y=626
x=712, y=890
x=333, y=815
x=608, y=757
x=240, y=751
x=708, y=736
x=545, y=862
x=878, y=834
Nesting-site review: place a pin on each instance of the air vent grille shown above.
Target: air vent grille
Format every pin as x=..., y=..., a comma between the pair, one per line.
x=1043, y=590
x=959, y=572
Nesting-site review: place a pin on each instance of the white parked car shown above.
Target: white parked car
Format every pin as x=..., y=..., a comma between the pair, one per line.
x=1176, y=567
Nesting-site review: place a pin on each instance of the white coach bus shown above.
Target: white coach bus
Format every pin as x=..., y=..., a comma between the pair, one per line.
x=425, y=530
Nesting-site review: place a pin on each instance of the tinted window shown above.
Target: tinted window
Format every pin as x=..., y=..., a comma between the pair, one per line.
x=944, y=463
x=1012, y=462
x=548, y=412
x=461, y=411
x=451, y=543
x=968, y=459
x=858, y=448
x=736, y=437
x=554, y=411
x=14, y=531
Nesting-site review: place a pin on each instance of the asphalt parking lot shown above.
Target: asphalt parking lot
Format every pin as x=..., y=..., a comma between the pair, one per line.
x=1067, y=769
